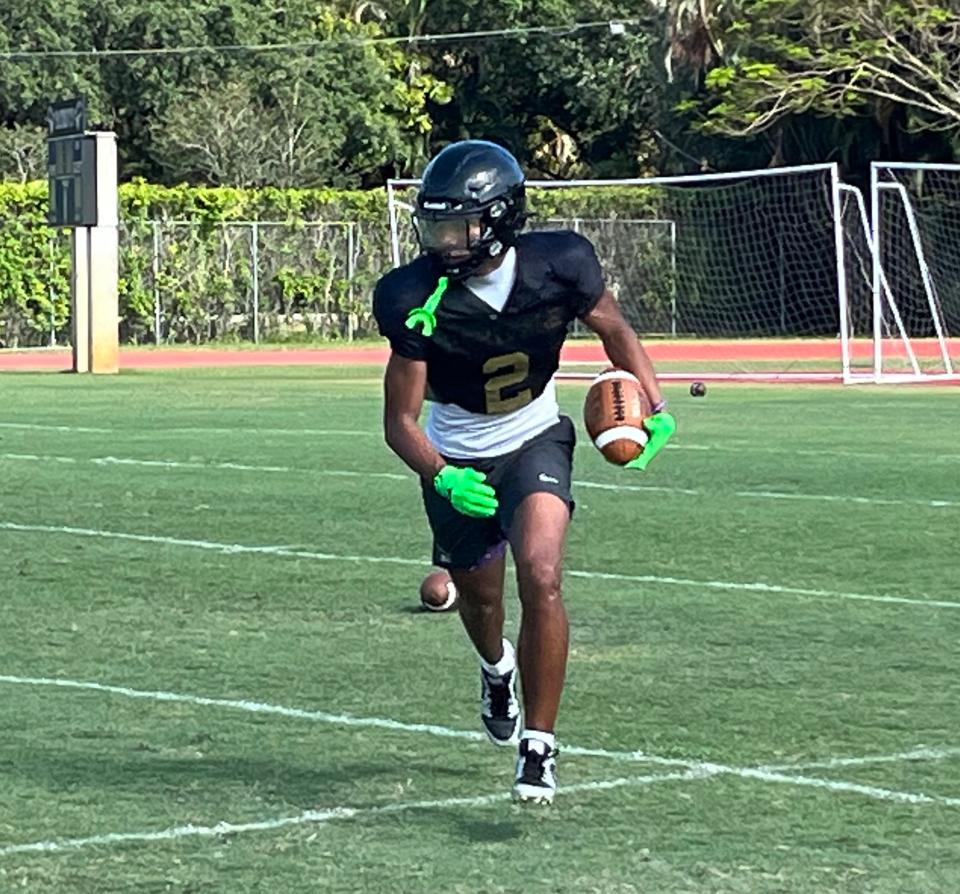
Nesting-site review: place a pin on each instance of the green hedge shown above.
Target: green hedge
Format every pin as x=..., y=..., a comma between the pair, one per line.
x=205, y=278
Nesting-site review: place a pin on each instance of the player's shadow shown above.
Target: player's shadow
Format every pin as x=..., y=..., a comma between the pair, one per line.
x=491, y=824
x=488, y=831
x=141, y=772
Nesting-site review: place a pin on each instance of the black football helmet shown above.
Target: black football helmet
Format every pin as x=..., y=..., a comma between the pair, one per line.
x=471, y=205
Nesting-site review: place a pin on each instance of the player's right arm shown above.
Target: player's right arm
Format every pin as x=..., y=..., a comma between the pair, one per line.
x=404, y=385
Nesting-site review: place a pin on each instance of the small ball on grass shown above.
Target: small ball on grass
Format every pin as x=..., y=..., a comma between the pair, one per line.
x=698, y=389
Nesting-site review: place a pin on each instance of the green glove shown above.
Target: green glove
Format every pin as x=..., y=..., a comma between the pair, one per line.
x=466, y=490
x=660, y=427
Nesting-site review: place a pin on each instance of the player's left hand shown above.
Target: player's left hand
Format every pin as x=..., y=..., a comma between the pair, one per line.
x=660, y=426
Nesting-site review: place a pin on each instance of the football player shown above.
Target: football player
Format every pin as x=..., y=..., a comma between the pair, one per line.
x=477, y=322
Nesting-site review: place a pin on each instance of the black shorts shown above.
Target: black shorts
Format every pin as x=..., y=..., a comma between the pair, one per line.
x=542, y=464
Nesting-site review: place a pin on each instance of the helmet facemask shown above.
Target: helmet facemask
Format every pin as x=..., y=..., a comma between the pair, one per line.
x=463, y=239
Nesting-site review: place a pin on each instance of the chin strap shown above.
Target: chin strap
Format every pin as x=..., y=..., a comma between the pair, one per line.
x=425, y=316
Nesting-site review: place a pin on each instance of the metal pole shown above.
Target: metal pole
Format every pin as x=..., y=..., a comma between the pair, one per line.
x=877, y=270
x=52, y=294
x=350, y=274
x=887, y=293
x=394, y=226
x=156, y=286
x=933, y=302
x=577, y=326
x=255, y=258
x=842, y=295
x=753, y=173
x=673, y=278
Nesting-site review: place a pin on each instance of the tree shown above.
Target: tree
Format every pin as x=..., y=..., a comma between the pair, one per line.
x=564, y=103
x=838, y=59
x=337, y=106
x=23, y=153
x=692, y=34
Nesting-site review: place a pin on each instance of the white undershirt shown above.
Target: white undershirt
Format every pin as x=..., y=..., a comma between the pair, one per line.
x=494, y=288
x=457, y=432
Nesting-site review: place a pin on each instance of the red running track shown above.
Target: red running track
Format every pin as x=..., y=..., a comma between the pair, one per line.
x=791, y=352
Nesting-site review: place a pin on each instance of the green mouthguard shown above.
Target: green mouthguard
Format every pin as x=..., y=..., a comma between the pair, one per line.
x=426, y=316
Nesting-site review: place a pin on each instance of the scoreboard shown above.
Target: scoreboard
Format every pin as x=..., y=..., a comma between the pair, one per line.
x=71, y=166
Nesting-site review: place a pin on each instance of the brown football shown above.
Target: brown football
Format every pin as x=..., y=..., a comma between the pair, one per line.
x=613, y=414
x=438, y=592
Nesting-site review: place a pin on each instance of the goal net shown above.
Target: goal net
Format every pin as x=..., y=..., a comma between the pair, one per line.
x=911, y=310
x=724, y=276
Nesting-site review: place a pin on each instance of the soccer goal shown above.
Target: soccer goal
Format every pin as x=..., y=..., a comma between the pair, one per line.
x=911, y=312
x=725, y=276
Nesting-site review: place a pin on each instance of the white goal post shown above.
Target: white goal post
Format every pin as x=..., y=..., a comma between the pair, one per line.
x=915, y=258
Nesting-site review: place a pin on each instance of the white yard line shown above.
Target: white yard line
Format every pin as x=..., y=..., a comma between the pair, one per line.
x=839, y=498
x=238, y=548
x=638, y=488
x=326, y=816
x=228, y=548
x=67, y=428
x=746, y=447
x=705, y=768
x=726, y=446
x=322, y=432
x=774, y=589
x=178, y=464
x=921, y=753
x=394, y=476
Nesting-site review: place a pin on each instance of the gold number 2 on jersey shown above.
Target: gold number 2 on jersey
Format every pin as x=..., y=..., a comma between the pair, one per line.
x=505, y=371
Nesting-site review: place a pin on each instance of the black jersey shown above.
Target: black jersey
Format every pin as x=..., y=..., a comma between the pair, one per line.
x=480, y=359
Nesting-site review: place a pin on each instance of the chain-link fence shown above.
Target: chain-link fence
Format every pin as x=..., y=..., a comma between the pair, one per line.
x=639, y=259
x=195, y=282
x=183, y=281
x=34, y=285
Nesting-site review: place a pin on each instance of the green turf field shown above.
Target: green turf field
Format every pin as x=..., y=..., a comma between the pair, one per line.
x=764, y=686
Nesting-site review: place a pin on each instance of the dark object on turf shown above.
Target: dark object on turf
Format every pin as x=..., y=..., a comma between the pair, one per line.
x=698, y=389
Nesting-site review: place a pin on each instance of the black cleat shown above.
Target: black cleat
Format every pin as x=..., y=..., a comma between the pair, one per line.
x=536, y=781
x=500, y=708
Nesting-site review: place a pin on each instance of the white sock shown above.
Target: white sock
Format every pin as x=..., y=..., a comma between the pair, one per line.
x=548, y=739
x=505, y=664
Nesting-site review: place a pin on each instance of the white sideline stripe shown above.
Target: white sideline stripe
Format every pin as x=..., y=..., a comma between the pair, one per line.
x=322, y=432
x=336, y=432
x=706, y=768
x=229, y=548
x=836, y=498
x=735, y=448
x=325, y=816
x=249, y=706
x=394, y=476
x=753, y=448
x=238, y=548
x=638, y=488
x=758, y=588
x=70, y=428
x=177, y=464
x=922, y=753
